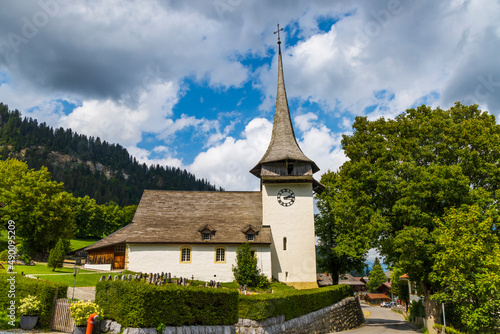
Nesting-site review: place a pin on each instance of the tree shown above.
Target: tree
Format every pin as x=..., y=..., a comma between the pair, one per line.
x=39, y=206
x=377, y=276
x=399, y=287
x=404, y=173
x=56, y=257
x=467, y=267
x=245, y=271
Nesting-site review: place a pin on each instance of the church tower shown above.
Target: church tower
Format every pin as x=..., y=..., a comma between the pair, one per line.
x=287, y=186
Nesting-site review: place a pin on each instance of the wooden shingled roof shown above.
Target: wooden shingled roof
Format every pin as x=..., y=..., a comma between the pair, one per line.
x=180, y=216
x=283, y=145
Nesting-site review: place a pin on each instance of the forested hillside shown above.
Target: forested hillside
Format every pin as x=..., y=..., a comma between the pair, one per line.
x=87, y=165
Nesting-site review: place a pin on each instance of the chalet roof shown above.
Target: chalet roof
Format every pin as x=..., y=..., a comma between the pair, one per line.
x=377, y=296
x=180, y=216
x=283, y=145
x=348, y=279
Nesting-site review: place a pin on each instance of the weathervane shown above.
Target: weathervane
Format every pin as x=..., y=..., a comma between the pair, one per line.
x=278, y=32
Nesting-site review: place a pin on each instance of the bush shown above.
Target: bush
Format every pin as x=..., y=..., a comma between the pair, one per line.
x=138, y=304
x=56, y=257
x=30, y=306
x=449, y=330
x=292, y=304
x=81, y=311
x=417, y=309
x=42, y=289
x=4, y=255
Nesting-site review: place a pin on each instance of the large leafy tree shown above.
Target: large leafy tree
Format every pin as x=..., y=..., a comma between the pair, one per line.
x=39, y=206
x=467, y=267
x=404, y=173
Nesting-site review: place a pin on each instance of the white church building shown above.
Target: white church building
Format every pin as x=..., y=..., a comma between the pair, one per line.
x=196, y=234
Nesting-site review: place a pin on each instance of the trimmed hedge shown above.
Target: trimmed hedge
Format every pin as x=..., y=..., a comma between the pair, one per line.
x=292, y=304
x=43, y=289
x=138, y=304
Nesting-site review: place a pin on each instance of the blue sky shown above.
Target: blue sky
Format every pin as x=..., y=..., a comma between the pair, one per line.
x=192, y=84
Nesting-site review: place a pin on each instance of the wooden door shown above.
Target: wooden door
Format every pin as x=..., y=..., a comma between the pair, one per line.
x=119, y=261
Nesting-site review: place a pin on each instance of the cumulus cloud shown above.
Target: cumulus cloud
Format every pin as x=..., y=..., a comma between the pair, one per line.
x=124, y=66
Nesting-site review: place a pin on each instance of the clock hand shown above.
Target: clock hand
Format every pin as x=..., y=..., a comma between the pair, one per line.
x=288, y=197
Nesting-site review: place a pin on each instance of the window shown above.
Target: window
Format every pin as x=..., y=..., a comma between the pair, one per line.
x=206, y=236
x=250, y=236
x=185, y=254
x=253, y=254
x=284, y=243
x=120, y=248
x=220, y=255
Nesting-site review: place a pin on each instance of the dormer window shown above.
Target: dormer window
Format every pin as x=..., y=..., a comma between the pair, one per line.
x=251, y=232
x=206, y=232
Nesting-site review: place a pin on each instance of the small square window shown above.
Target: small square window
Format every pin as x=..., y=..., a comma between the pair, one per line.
x=206, y=236
x=250, y=236
x=120, y=248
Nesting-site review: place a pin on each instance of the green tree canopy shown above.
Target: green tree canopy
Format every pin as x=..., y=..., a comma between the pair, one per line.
x=39, y=206
x=404, y=173
x=467, y=267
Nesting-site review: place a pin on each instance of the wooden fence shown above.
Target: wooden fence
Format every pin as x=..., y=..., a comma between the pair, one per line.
x=61, y=320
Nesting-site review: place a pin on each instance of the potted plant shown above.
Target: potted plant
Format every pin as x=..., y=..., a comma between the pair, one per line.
x=80, y=312
x=29, y=309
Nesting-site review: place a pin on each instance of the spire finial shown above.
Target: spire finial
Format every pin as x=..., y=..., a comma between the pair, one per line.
x=278, y=32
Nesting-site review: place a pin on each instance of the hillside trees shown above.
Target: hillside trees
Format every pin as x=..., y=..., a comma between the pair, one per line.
x=403, y=175
x=86, y=165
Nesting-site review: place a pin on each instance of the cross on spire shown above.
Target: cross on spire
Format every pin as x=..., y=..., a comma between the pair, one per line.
x=278, y=32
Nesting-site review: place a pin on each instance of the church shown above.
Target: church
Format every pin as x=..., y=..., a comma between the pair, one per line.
x=196, y=234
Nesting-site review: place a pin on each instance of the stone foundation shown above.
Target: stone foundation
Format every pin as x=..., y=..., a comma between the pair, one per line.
x=341, y=316
x=344, y=315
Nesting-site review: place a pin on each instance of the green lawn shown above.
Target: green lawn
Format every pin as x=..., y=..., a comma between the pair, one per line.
x=64, y=275
x=80, y=243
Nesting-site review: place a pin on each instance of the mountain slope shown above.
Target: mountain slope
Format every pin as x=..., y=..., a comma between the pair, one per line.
x=87, y=166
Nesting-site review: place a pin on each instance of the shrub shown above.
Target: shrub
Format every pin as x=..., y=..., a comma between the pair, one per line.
x=449, y=330
x=42, y=289
x=57, y=254
x=138, y=304
x=4, y=255
x=81, y=311
x=292, y=304
x=417, y=309
x=30, y=306
x=245, y=271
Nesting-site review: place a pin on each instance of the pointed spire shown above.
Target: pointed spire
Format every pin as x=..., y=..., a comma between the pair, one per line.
x=283, y=145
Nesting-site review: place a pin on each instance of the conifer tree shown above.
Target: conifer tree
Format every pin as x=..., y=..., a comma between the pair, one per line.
x=377, y=276
x=245, y=271
x=56, y=257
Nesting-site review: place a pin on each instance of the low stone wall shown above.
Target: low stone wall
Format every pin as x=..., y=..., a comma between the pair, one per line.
x=341, y=316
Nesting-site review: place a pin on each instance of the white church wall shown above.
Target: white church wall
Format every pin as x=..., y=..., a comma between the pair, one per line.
x=295, y=223
x=156, y=258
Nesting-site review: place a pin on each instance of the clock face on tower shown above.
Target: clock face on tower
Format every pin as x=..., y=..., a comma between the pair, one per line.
x=286, y=197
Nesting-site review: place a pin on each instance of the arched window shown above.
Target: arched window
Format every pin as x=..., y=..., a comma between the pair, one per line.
x=186, y=254
x=220, y=255
x=284, y=243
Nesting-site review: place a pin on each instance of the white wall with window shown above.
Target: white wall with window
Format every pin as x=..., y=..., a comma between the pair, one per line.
x=203, y=261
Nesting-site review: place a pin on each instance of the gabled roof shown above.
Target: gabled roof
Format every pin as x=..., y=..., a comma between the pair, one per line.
x=283, y=145
x=348, y=279
x=177, y=216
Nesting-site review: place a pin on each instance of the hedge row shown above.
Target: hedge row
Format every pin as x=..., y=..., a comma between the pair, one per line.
x=292, y=304
x=23, y=286
x=138, y=304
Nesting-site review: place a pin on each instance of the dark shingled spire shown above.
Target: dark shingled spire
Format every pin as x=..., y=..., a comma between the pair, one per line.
x=283, y=145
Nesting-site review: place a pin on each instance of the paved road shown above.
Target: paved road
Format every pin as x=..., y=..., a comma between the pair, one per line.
x=82, y=293
x=384, y=321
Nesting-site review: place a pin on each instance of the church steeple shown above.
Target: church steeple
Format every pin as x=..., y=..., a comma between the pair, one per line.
x=283, y=147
